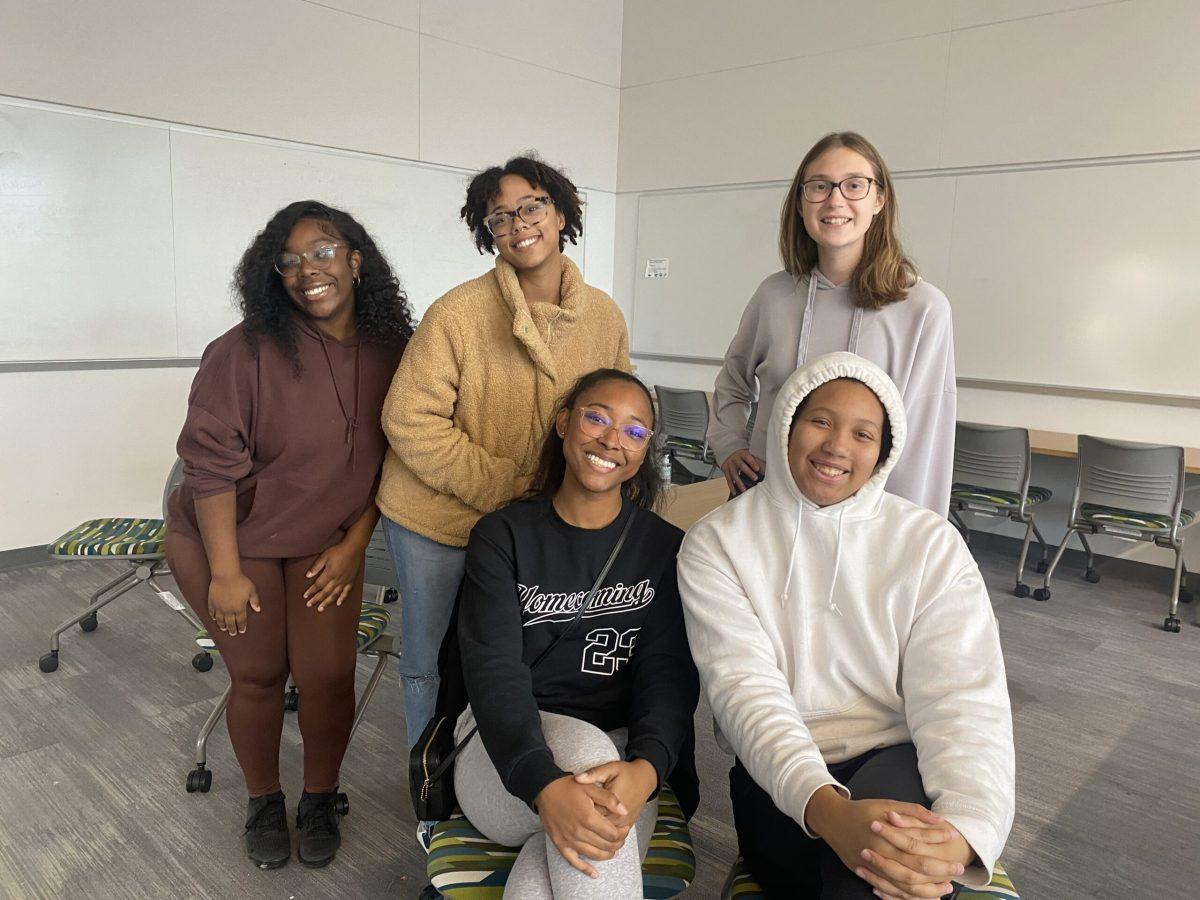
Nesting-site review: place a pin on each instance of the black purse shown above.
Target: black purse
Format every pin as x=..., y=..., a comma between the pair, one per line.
x=431, y=760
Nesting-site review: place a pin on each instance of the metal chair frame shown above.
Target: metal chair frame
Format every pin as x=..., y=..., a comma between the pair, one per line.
x=1085, y=492
x=144, y=568
x=996, y=469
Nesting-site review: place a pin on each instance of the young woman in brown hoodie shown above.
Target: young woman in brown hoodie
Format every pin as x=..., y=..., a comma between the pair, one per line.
x=470, y=403
x=282, y=449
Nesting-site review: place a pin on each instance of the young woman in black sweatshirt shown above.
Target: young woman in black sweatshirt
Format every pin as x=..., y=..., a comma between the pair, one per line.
x=574, y=751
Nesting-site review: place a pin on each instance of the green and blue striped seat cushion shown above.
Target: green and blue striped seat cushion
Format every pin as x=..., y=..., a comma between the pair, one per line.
x=741, y=886
x=689, y=446
x=972, y=493
x=464, y=865
x=1109, y=515
x=371, y=623
x=113, y=537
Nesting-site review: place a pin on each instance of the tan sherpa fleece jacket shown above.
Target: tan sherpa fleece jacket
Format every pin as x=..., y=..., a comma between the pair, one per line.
x=471, y=401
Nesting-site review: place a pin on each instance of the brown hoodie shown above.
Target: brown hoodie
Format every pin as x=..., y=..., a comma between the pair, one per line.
x=302, y=451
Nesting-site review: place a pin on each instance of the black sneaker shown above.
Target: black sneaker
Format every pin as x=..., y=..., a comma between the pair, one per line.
x=268, y=843
x=317, y=821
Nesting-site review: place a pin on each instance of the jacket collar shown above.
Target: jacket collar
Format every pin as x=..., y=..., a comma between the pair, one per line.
x=572, y=298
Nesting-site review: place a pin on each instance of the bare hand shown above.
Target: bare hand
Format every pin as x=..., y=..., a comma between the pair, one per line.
x=741, y=462
x=845, y=825
x=916, y=843
x=571, y=816
x=631, y=782
x=336, y=572
x=228, y=597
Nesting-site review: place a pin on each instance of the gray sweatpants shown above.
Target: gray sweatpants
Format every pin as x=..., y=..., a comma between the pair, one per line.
x=541, y=872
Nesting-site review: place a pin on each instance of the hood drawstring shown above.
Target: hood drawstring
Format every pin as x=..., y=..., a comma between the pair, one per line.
x=837, y=561
x=351, y=419
x=787, y=583
x=806, y=323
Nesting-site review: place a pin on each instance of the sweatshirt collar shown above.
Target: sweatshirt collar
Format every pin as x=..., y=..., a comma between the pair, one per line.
x=524, y=330
x=311, y=329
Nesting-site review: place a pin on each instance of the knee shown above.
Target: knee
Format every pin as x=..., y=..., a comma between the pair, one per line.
x=326, y=672
x=260, y=675
x=577, y=745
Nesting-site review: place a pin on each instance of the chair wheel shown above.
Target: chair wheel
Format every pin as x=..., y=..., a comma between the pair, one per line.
x=1041, y=594
x=199, y=779
x=1021, y=590
x=202, y=662
x=49, y=662
x=1171, y=624
x=391, y=595
x=291, y=700
x=1186, y=596
x=1092, y=576
x=89, y=623
x=1041, y=566
x=341, y=803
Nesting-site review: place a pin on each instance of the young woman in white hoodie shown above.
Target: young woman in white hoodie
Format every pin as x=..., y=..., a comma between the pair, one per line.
x=846, y=285
x=847, y=646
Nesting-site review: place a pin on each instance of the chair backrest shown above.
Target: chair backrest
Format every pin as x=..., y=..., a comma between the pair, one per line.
x=991, y=456
x=174, y=479
x=682, y=413
x=1146, y=478
x=379, y=569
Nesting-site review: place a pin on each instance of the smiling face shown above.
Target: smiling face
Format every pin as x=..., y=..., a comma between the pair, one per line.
x=325, y=294
x=835, y=223
x=600, y=464
x=835, y=442
x=526, y=246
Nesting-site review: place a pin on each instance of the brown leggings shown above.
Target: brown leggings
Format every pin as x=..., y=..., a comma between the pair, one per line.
x=318, y=649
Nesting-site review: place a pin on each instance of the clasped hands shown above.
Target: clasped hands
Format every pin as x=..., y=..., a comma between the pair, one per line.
x=903, y=850
x=588, y=816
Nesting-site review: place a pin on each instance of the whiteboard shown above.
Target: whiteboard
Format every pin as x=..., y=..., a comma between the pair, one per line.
x=1082, y=277
x=126, y=232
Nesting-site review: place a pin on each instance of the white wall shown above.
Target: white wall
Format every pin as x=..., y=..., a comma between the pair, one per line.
x=719, y=94
x=462, y=84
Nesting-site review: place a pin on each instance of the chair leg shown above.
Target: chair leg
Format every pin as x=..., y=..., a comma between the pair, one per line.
x=961, y=525
x=1171, y=622
x=200, y=778
x=1089, y=573
x=1043, y=561
x=1021, y=589
x=123, y=583
x=1043, y=593
x=369, y=691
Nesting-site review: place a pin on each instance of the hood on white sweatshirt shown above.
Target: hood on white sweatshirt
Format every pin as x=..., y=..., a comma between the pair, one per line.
x=784, y=492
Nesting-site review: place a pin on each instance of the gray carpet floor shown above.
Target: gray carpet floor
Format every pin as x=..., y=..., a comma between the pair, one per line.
x=93, y=757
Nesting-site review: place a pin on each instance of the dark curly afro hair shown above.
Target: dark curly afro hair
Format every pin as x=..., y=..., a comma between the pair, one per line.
x=381, y=309
x=486, y=185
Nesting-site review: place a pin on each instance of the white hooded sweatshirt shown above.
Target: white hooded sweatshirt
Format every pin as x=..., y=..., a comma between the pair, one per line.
x=822, y=633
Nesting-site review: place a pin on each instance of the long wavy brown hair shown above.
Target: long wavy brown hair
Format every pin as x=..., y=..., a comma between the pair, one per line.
x=884, y=274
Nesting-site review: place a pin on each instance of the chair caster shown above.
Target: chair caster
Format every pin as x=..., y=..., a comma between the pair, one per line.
x=49, y=662
x=88, y=623
x=341, y=803
x=1021, y=590
x=1041, y=594
x=1091, y=576
x=391, y=595
x=1186, y=596
x=291, y=700
x=1041, y=566
x=202, y=662
x=1171, y=624
x=199, y=779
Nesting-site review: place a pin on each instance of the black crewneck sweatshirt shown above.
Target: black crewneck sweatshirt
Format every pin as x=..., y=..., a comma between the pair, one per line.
x=625, y=664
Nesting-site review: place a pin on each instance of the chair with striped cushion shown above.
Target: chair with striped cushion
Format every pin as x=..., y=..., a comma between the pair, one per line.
x=991, y=479
x=464, y=865
x=740, y=885
x=1133, y=492
x=139, y=542
x=373, y=621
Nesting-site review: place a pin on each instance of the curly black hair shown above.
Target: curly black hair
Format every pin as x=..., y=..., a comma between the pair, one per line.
x=644, y=489
x=381, y=309
x=486, y=185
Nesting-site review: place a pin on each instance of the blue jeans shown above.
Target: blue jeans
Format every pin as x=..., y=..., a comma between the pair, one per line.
x=429, y=575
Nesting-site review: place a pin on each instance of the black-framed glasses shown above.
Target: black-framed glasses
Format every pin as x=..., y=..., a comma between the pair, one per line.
x=530, y=212
x=596, y=424
x=320, y=256
x=856, y=187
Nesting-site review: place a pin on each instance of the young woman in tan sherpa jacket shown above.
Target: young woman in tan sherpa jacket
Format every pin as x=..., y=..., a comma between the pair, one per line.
x=469, y=406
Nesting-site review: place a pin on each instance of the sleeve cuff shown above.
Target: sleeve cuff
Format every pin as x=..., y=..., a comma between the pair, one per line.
x=805, y=781
x=654, y=753
x=527, y=778
x=204, y=489
x=981, y=837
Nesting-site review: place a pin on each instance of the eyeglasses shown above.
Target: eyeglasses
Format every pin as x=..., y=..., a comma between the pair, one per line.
x=288, y=264
x=596, y=424
x=532, y=212
x=854, y=188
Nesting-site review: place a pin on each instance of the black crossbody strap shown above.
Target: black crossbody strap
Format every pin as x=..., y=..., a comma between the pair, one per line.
x=612, y=557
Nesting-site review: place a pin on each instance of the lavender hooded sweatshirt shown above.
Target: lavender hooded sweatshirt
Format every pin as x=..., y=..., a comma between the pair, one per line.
x=790, y=322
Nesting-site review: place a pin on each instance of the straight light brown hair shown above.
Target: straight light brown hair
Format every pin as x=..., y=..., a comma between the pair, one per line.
x=884, y=274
